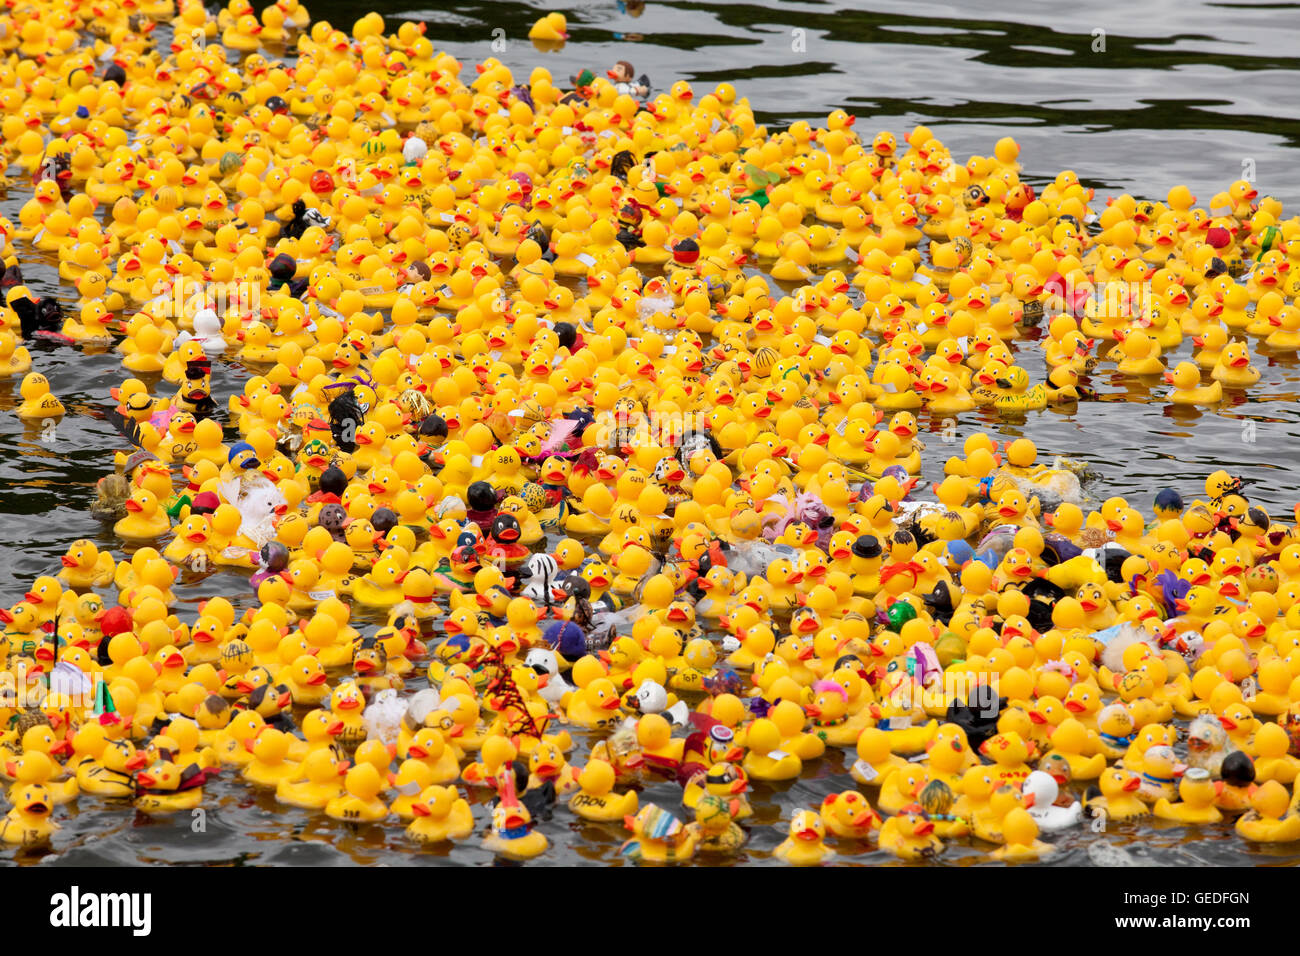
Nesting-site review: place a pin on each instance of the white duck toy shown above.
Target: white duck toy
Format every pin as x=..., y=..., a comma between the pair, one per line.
x=544, y=662
x=651, y=697
x=207, y=330
x=1040, y=792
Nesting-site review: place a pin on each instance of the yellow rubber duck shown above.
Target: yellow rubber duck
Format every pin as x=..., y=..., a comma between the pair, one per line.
x=229, y=744
x=791, y=721
x=1187, y=388
x=715, y=826
x=1018, y=397
x=1115, y=731
x=830, y=719
x=38, y=401
x=805, y=845
x=1197, y=793
x=1272, y=761
x=1020, y=833
x=108, y=767
x=1209, y=346
x=242, y=35
x=382, y=586
x=1160, y=771
x=28, y=823
x=38, y=767
x=658, y=747
x=553, y=28
x=765, y=759
x=849, y=816
x=1072, y=741
x=794, y=263
x=85, y=566
x=409, y=780
x=14, y=359
x=875, y=759
x=495, y=754
x=901, y=788
x=595, y=705
x=441, y=815
x=1285, y=334
x=269, y=765
x=145, y=519
x=430, y=748
x=1269, y=819
x=321, y=771
x=166, y=786
x=513, y=835
x=1141, y=354
x=987, y=825
x=1233, y=368
x=910, y=835
x=360, y=803
x=596, y=799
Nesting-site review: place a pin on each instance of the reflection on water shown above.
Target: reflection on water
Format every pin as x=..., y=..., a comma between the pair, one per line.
x=1134, y=97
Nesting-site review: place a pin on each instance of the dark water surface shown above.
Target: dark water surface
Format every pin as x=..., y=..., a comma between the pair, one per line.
x=1183, y=92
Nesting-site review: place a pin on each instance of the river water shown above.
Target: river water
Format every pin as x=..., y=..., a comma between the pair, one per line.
x=1133, y=97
